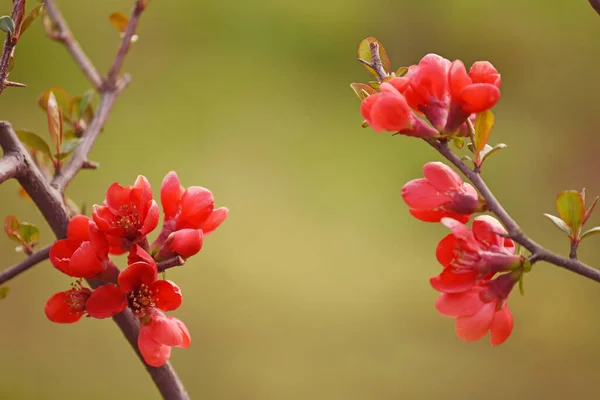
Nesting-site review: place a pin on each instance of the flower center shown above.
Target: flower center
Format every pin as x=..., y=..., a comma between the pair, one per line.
x=141, y=300
x=129, y=219
x=77, y=297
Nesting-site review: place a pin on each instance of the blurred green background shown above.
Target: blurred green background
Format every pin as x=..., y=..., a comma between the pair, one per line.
x=316, y=287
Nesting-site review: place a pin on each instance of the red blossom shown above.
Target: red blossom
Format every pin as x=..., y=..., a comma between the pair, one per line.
x=469, y=255
x=139, y=287
x=441, y=193
x=480, y=310
x=185, y=242
x=68, y=306
x=84, y=253
x=158, y=334
x=477, y=91
x=129, y=212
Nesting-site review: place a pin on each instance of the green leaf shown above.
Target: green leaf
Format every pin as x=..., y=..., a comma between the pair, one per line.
x=31, y=17
x=69, y=145
x=119, y=21
x=458, y=142
x=571, y=209
x=560, y=224
x=362, y=90
x=11, y=227
x=521, y=285
x=471, y=147
x=591, y=232
x=485, y=153
x=7, y=24
x=62, y=97
x=86, y=100
x=590, y=210
x=364, y=52
x=375, y=85
x=401, y=71
x=55, y=121
x=35, y=142
x=4, y=290
x=29, y=233
x=483, y=127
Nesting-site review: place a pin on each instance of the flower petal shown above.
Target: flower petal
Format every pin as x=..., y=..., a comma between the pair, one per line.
x=106, y=301
x=459, y=304
x=137, y=254
x=420, y=194
x=484, y=227
x=171, y=192
x=167, y=295
x=61, y=253
x=474, y=327
x=151, y=220
x=84, y=262
x=442, y=177
x=164, y=330
x=479, y=97
x=458, y=79
x=484, y=72
x=502, y=326
x=445, y=250
x=58, y=310
x=452, y=281
x=196, y=205
x=155, y=354
x=117, y=196
x=185, y=242
x=428, y=215
x=185, y=333
x=137, y=274
x=78, y=228
x=215, y=218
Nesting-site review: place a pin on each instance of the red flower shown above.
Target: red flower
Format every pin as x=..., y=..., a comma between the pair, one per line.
x=69, y=306
x=139, y=287
x=191, y=208
x=129, y=212
x=477, y=91
x=184, y=242
x=480, y=310
x=441, y=193
x=84, y=253
x=470, y=255
x=158, y=335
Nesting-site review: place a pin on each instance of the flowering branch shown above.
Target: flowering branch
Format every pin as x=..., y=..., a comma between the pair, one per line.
x=176, y=261
x=515, y=233
x=24, y=265
x=8, y=50
x=9, y=165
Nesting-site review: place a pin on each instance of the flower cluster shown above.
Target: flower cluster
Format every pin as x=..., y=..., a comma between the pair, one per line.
x=119, y=226
x=439, y=100
x=441, y=91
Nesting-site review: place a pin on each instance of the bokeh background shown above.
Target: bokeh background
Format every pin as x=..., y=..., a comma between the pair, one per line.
x=316, y=287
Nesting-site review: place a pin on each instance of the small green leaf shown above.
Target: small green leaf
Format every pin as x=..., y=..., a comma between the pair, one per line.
x=560, y=224
x=364, y=52
x=86, y=100
x=458, y=142
x=401, y=71
x=34, y=141
x=375, y=85
x=471, y=147
x=7, y=24
x=485, y=153
x=483, y=127
x=362, y=90
x=4, y=290
x=55, y=122
x=62, y=97
x=521, y=285
x=11, y=227
x=466, y=158
x=365, y=124
x=29, y=233
x=69, y=145
x=571, y=209
x=119, y=21
x=31, y=17
x=590, y=210
x=591, y=232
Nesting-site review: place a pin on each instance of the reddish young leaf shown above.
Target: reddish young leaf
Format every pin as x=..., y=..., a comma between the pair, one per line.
x=63, y=99
x=119, y=21
x=362, y=90
x=483, y=127
x=11, y=227
x=31, y=17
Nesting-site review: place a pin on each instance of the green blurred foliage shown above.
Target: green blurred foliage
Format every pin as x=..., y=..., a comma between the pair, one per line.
x=316, y=287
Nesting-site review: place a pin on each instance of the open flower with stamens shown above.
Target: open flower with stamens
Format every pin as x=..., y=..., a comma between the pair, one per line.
x=68, y=306
x=138, y=287
x=129, y=212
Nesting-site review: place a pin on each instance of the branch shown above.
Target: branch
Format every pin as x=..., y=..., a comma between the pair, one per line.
x=8, y=50
x=9, y=166
x=170, y=263
x=538, y=252
x=24, y=265
x=375, y=62
x=115, y=68
x=64, y=35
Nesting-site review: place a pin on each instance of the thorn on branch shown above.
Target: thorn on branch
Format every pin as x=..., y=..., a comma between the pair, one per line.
x=87, y=164
x=14, y=84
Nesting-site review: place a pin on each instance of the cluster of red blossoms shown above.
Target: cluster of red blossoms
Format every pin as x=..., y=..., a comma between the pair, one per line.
x=435, y=99
x=121, y=225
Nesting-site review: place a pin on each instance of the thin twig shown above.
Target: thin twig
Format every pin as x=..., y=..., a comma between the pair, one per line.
x=375, y=62
x=170, y=263
x=24, y=265
x=115, y=68
x=515, y=232
x=8, y=50
x=65, y=36
x=573, y=249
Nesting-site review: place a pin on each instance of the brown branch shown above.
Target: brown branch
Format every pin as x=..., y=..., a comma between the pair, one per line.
x=134, y=19
x=8, y=50
x=9, y=166
x=24, y=265
x=375, y=62
x=64, y=35
x=170, y=263
x=514, y=231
